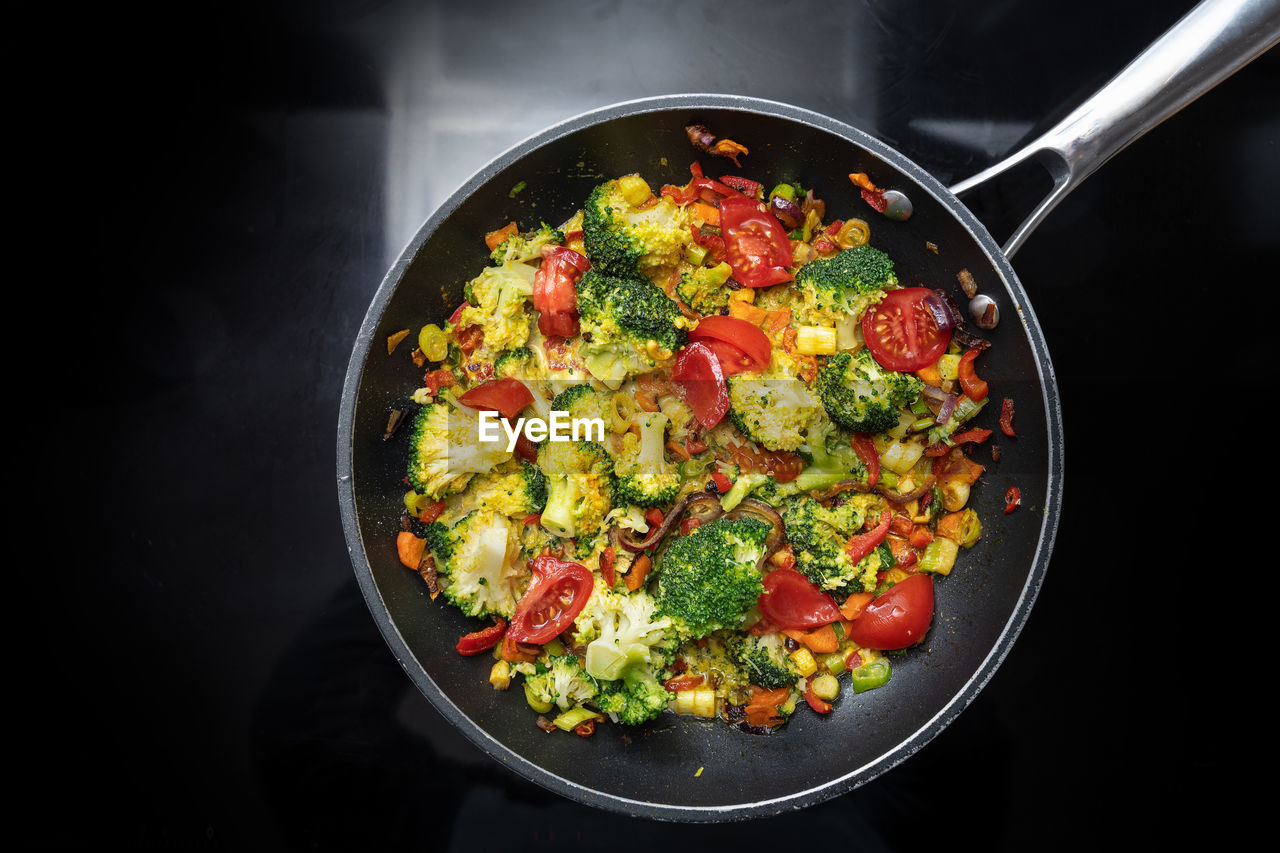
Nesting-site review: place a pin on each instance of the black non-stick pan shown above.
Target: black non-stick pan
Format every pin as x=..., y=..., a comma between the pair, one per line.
x=685, y=769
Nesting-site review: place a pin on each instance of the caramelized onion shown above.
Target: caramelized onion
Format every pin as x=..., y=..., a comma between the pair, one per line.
x=755, y=508
x=901, y=498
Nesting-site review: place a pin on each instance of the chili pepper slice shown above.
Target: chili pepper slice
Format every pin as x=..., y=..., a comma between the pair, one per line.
x=1006, y=417
x=1012, y=499
x=481, y=641
x=974, y=388
x=862, y=544
x=867, y=453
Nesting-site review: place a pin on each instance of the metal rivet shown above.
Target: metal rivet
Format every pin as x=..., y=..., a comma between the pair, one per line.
x=984, y=311
x=897, y=206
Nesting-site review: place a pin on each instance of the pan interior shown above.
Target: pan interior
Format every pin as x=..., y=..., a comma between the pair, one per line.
x=680, y=768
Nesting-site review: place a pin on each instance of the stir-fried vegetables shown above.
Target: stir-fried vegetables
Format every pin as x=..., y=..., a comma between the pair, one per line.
x=775, y=467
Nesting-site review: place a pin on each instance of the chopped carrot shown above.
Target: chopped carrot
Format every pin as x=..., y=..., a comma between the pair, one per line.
x=410, y=549
x=822, y=640
x=514, y=652
x=639, y=571
x=931, y=375
x=710, y=215
x=854, y=604
x=494, y=239
x=645, y=400
x=393, y=341
x=678, y=449
x=746, y=311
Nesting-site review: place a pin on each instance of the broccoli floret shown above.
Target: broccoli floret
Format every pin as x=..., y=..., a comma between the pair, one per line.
x=703, y=288
x=774, y=493
x=830, y=289
x=561, y=681
x=645, y=477
x=580, y=401
x=446, y=450
x=709, y=580
x=497, y=304
x=518, y=363
x=831, y=458
x=862, y=396
x=635, y=698
x=629, y=326
x=516, y=490
x=479, y=554
x=774, y=408
x=622, y=631
x=763, y=659
x=623, y=240
x=579, y=488
x=527, y=246
x=818, y=535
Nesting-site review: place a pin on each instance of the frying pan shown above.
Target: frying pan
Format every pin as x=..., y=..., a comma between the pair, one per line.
x=653, y=771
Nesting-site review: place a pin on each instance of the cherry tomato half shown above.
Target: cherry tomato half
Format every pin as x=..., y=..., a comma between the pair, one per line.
x=555, y=597
x=697, y=377
x=507, y=397
x=902, y=333
x=748, y=338
x=897, y=619
x=791, y=602
x=755, y=243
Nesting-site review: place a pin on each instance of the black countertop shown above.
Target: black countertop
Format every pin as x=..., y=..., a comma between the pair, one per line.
x=206, y=673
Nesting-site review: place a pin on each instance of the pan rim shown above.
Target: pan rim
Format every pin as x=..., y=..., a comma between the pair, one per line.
x=739, y=811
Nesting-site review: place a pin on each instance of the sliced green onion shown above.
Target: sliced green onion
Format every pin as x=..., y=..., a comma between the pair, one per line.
x=870, y=675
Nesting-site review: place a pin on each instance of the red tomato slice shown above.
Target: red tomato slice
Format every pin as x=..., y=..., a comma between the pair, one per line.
x=507, y=397
x=755, y=242
x=748, y=338
x=897, y=619
x=697, y=377
x=791, y=602
x=555, y=597
x=554, y=295
x=902, y=333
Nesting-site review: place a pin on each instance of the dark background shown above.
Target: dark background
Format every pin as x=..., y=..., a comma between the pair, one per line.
x=200, y=670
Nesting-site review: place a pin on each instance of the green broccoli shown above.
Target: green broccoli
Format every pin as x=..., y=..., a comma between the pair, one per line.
x=831, y=459
x=774, y=408
x=526, y=247
x=445, y=448
x=581, y=401
x=709, y=579
x=818, y=535
x=703, y=288
x=623, y=240
x=635, y=698
x=562, y=682
x=831, y=289
x=629, y=326
x=862, y=396
x=479, y=556
x=763, y=659
x=645, y=477
x=497, y=303
x=579, y=488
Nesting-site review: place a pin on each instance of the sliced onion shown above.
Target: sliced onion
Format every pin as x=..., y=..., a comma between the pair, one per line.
x=842, y=486
x=701, y=505
x=939, y=402
x=787, y=211
x=936, y=302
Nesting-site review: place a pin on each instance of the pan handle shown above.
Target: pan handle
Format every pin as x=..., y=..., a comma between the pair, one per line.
x=1209, y=44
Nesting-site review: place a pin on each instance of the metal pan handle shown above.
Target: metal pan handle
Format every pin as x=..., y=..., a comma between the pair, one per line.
x=1209, y=44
